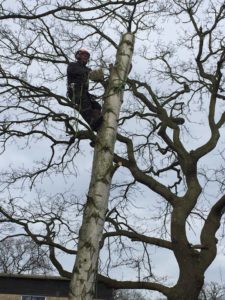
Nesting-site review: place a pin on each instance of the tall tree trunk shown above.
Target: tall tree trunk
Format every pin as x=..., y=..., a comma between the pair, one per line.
x=189, y=285
x=191, y=277
x=83, y=280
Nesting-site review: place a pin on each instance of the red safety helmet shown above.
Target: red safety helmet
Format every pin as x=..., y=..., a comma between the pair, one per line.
x=80, y=51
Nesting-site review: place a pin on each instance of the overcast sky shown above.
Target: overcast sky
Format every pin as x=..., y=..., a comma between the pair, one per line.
x=163, y=262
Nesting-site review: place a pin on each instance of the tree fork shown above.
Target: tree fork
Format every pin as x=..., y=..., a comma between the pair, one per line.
x=83, y=279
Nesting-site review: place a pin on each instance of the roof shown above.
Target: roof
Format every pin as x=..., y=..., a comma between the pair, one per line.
x=29, y=276
x=44, y=285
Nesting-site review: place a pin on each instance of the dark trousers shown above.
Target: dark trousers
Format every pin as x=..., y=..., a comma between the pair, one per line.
x=84, y=102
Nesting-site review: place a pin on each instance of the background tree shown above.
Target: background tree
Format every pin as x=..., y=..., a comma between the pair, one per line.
x=23, y=256
x=212, y=291
x=164, y=159
x=128, y=295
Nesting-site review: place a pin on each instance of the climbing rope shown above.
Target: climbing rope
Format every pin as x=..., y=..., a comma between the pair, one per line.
x=76, y=111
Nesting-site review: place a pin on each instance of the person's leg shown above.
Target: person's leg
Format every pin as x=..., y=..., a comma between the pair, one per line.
x=81, y=103
x=91, y=112
x=86, y=109
x=97, y=114
x=94, y=103
x=97, y=119
x=89, y=109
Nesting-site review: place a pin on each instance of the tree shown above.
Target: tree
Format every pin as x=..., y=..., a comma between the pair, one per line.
x=91, y=232
x=128, y=295
x=177, y=84
x=212, y=291
x=23, y=256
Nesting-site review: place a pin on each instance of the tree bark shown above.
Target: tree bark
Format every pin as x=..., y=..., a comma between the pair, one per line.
x=83, y=280
x=191, y=277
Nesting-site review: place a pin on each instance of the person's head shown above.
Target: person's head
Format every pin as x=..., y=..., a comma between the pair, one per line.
x=82, y=55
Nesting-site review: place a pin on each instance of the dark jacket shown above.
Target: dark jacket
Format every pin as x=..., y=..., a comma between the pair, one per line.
x=78, y=74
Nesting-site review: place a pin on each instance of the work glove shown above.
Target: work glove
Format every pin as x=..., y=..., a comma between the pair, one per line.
x=96, y=75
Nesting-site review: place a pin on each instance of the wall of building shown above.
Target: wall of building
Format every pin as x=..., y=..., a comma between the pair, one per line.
x=18, y=297
x=53, y=288
x=9, y=297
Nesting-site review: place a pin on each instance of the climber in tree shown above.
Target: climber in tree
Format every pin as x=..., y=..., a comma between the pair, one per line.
x=78, y=84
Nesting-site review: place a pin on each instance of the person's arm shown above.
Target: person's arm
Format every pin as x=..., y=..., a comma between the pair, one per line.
x=72, y=70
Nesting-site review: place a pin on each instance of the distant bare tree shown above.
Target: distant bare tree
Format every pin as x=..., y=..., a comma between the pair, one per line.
x=128, y=295
x=23, y=256
x=212, y=291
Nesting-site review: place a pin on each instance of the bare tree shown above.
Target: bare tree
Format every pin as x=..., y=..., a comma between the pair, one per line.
x=91, y=231
x=128, y=295
x=23, y=256
x=212, y=291
x=174, y=90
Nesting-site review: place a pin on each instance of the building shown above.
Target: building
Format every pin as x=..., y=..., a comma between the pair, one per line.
x=41, y=287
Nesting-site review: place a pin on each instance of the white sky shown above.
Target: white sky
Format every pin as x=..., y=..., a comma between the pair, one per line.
x=165, y=266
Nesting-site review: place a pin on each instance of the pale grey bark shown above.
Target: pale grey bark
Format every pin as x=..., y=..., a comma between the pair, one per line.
x=84, y=274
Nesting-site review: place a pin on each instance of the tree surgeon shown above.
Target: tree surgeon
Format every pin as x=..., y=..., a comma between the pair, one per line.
x=78, y=83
